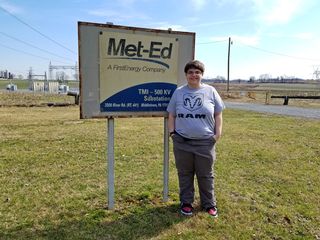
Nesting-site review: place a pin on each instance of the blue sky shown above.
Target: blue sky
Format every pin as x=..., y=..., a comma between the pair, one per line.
x=275, y=37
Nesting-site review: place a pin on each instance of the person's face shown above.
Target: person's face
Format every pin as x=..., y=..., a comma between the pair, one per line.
x=194, y=77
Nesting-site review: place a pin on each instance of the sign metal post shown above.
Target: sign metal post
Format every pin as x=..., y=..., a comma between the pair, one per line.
x=110, y=159
x=165, y=160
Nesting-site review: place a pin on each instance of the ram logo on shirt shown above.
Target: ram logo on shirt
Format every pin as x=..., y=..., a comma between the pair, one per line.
x=192, y=101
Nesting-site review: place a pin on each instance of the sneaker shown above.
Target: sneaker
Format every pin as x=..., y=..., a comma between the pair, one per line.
x=186, y=209
x=213, y=211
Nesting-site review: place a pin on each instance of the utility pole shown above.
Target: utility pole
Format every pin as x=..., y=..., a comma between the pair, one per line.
x=228, y=78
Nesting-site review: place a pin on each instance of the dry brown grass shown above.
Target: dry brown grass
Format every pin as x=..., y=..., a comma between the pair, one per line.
x=261, y=93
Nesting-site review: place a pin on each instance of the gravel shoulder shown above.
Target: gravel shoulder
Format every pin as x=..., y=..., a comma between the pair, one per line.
x=276, y=109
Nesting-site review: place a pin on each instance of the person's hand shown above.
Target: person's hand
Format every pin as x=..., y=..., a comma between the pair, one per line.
x=172, y=133
x=217, y=137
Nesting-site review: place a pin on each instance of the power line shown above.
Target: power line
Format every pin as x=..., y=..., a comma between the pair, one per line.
x=37, y=31
x=30, y=54
x=31, y=45
x=212, y=42
x=280, y=54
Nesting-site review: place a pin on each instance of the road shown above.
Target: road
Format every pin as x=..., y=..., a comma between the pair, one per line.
x=277, y=109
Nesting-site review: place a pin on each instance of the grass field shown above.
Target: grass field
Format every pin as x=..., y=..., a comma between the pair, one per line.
x=250, y=92
x=53, y=179
x=24, y=84
x=261, y=93
x=27, y=99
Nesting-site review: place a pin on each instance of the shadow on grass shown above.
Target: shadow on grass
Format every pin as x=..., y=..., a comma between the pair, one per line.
x=141, y=223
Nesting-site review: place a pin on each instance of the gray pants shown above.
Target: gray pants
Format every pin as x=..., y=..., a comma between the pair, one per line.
x=195, y=157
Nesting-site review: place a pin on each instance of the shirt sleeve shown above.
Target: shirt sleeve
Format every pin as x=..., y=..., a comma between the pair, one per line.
x=219, y=104
x=172, y=104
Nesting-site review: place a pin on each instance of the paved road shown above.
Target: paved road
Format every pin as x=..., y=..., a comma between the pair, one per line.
x=276, y=109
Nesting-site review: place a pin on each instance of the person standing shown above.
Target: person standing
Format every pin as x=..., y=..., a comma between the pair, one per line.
x=195, y=126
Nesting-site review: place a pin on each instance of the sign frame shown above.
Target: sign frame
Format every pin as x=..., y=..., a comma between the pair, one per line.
x=90, y=61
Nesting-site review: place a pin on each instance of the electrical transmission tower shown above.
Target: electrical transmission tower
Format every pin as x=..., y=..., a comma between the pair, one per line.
x=316, y=72
x=75, y=68
x=31, y=75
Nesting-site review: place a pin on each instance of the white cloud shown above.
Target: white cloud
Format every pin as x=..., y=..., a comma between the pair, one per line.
x=304, y=36
x=275, y=67
x=166, y=26
x=298, y=63
x=198, y=4
x=267, y=12
x=14, y=9
x=246, y=40
x=295, y=36
x=279, y=11
x=219, y=38
x=221, y=22
x=103, y=13
x=126, y=2
x=118, y=16
x=129, y=3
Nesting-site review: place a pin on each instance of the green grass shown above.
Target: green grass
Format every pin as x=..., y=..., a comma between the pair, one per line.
x=53, y=179
x=24, y=84
x=21, y=84
x=33, y=98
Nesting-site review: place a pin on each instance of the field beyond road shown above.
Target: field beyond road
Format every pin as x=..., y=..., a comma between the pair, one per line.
x=301, y=112
x=53, y=178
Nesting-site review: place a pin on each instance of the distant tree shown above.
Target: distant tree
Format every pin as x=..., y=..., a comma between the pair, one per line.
x=252, y=79
x=265, y=77
x=221, y=78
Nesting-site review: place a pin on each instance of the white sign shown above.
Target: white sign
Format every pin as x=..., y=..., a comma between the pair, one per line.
x=126, y=71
